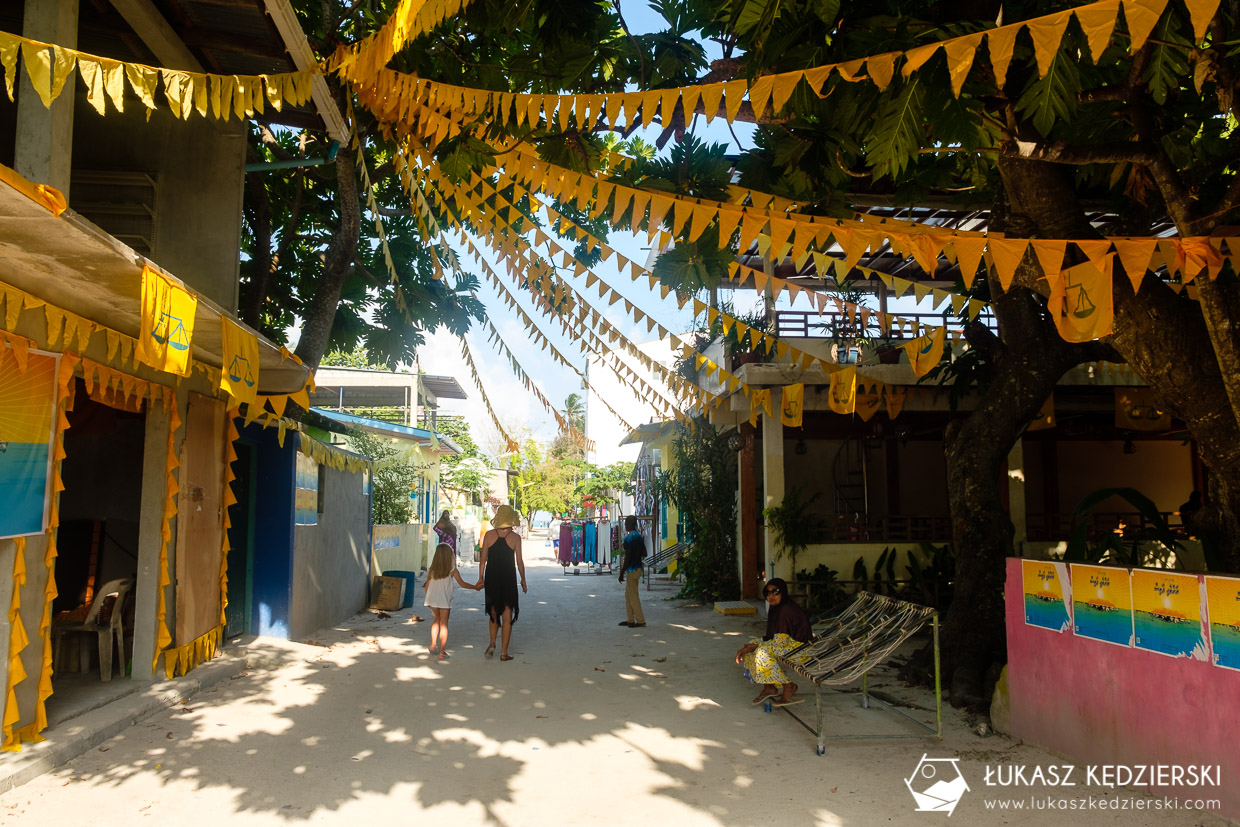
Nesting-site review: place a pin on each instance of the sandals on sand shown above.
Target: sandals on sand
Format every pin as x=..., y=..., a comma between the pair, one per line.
x=490, y=650
x=505, y=657
x=763, y=698
x=788, y=702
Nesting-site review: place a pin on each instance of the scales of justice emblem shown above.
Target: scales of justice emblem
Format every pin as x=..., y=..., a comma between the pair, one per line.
x=239, y=371
x=170, y=330
x=1084, y=305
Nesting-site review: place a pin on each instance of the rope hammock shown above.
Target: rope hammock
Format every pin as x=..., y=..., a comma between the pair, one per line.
x=858, y=639
x=861, y=637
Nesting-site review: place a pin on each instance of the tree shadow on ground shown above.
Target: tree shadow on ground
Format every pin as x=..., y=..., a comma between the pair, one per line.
x=584, y=707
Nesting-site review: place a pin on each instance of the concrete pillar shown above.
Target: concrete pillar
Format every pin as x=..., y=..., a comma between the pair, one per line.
x=747, y=515
x=154, y=492
x=1016, y=492
x=773, y=482
x=8, y=552
x=44, y=151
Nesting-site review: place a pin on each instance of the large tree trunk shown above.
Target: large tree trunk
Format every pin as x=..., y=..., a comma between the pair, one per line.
x=338, y=263
x=259, y=214
x=1024, y=368
x=1178, y=346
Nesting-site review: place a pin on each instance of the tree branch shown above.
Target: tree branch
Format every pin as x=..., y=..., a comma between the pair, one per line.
x=636, y=46
x=1118, y=152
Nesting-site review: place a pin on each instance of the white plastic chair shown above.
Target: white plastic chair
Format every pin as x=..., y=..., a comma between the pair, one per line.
x=109, y=635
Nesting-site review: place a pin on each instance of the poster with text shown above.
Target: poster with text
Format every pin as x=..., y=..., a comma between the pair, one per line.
x=1046, y=605
x=1102, y=604
x=306, y=504
x=1223, y=598
x=27, y=419
x=1167, y=615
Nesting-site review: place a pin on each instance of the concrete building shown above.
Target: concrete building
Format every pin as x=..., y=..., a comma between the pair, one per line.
x=145, y=457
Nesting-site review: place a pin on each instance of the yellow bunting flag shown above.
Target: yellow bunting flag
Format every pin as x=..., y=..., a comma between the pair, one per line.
x=895, y=396
x=1045, y=417
x=239, y=378
x=760, y=399
x=167, y=323
x=1081, y=305
x=793, y=406
x=1138, y=409
x=868, y=402
x=926, y=351
x=842, y=394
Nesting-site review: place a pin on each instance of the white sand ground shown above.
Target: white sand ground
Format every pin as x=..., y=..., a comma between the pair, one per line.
x=591, y=724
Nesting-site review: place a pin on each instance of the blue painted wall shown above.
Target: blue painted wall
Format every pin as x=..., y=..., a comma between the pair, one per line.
x=273, y=529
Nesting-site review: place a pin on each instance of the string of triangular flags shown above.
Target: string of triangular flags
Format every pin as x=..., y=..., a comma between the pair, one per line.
x=510, y=444
x=401, y=92
x=529, y=322
x=221, y=97
x=526, y=271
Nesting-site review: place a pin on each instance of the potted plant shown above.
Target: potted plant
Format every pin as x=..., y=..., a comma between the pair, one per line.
x=795, y=528
x=737, y=343
x=888, y=350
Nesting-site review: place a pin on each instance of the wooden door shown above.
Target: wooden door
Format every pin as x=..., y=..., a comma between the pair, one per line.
x=200, y=519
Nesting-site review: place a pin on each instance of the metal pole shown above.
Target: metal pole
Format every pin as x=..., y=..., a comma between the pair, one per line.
x=938, y=685
x=822, y=747
x=865, y=687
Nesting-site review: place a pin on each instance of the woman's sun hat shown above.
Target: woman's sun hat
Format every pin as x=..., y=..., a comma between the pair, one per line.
x=505, y=517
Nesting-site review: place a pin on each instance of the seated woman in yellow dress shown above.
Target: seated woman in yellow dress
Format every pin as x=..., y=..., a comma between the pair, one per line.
x=787, y=627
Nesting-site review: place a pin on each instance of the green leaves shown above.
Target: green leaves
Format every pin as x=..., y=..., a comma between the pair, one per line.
x=689, y=268
x=1051, y=99
x=898, y=131
x=1168, y=64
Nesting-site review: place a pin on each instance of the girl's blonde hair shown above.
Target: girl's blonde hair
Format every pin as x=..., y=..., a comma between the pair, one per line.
x=442, y=563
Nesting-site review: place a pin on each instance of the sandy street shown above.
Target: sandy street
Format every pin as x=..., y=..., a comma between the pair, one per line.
x=590, y=724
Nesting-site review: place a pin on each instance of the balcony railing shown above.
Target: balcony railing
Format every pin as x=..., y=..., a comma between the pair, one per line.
x=906, y=528
x=836, y=325
x=1129, y=525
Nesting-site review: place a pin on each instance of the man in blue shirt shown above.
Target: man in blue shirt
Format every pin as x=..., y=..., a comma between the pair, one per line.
x=634, y=553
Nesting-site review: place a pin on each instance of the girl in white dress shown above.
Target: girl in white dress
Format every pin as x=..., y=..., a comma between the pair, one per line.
x=439, y=590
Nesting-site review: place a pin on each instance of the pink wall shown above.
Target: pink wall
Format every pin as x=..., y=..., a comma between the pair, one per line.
x=1098, y=703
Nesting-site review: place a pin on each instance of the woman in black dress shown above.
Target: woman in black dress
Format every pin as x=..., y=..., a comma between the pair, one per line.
x=497, y=573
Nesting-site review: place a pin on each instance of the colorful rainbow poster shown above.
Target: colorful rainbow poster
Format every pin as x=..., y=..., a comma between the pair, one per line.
x=1167, y=612
x=1102, y=604
x=1223, y=597
x=27, y=417
x=1046, y=605
x=306, y=504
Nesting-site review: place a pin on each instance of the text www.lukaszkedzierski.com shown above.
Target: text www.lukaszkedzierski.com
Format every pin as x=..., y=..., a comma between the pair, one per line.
x=1092, y=803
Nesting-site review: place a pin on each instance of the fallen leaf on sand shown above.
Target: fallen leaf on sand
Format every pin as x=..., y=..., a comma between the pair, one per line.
x=596, y=669
x=414, y=619
x=660, y=660
x=382, y=615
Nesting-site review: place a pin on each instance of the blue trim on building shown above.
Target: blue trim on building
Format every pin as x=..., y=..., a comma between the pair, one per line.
x=275, y=476
x=391, y=428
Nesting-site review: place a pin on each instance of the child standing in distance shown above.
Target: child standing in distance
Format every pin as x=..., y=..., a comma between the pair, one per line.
x=439, y=590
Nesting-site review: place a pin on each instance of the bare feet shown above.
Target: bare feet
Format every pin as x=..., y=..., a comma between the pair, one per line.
x=505, y=657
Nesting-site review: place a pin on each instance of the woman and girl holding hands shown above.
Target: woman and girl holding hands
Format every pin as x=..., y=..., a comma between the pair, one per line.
x=497, y=576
